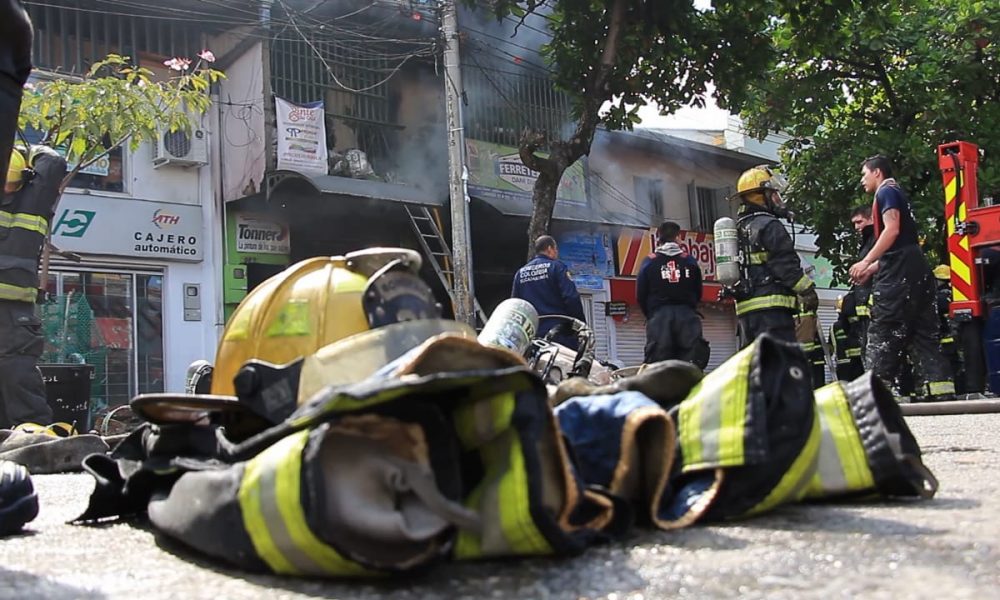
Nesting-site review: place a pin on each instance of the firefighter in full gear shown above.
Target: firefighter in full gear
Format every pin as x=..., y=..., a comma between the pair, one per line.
x=407, y=442
x=949, y=346
x=807, y=331
x=845, y=341
x=772, y=285
x=861, y=292
x=903, y=317
x=31, y=192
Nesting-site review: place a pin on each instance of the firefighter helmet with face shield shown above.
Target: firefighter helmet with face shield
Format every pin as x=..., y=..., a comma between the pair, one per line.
x=317, y=302
x=17, y=169
x=942, y=273
x=761, y=186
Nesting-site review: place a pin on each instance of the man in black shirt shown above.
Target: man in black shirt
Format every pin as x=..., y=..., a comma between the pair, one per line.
x=668, y=289
x=904, y=310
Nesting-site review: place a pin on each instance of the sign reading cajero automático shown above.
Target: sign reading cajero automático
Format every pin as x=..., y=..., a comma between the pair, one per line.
x=261, y=235
x=126, y=227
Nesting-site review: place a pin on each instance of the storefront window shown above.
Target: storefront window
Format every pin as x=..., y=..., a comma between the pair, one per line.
x=112, y=321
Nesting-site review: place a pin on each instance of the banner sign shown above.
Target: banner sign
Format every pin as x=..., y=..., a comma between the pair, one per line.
x=496, y=171
x=634, y=245
x=301, y=137
x=261, y=235
x=588, y=257
x=122, y=226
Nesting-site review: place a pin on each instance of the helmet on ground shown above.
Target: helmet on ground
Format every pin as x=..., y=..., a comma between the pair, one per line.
x=16, y=168
x=840, y=303
x=754, y=184
x=317, y=302
x=942, y=272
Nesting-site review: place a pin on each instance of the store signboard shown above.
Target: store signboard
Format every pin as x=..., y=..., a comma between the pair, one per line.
x=91, y=224
x=301, y=137
x=496, y=171
x=261, y=235
x=634, y=245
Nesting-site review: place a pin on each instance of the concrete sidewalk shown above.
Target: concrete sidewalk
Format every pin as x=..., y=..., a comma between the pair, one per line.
x=946, y=547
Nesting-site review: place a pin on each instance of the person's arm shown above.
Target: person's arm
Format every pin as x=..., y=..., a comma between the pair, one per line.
x=863, y=269
x=642, y=290
x=782, y=260
x=568, y=291
x=698, y=286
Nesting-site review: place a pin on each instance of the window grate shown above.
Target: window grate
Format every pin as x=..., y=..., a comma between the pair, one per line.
x=502, y=104
x=72, y=37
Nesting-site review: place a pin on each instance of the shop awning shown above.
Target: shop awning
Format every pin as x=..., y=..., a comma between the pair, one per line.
x=518, y=206
x=357, y=188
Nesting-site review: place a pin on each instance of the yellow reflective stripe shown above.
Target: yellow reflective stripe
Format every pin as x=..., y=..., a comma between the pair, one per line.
x=765, y=302
x=807, y=313
x=795, y=483
x=863, y=311
x=502, y=498
x=27, y=221
x=713, y=416
x=854, y=352
x=758, y=258
x=17, y=293
x=947, y=340
x=271, y=504
x=939, y=388
x=518, y=525
x=843, y=465
x=803, y=284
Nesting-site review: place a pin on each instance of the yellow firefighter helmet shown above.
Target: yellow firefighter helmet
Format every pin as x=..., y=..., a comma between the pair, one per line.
x=309, y=305
x=16, y=167
x=754, y=183
x=942, y=272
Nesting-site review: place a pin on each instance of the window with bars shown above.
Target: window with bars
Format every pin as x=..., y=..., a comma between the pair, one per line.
x=73, y=35
x=649, y=194
x=706, y=206
x=501, y=104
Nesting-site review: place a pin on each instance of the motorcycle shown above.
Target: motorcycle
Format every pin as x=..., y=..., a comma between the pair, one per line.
x=555, y=362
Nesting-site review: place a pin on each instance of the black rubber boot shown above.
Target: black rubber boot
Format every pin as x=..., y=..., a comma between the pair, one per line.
x=18, y=500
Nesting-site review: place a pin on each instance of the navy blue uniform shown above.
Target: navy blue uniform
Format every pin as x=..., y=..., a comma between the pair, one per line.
x=546, y=284
x=668, y=290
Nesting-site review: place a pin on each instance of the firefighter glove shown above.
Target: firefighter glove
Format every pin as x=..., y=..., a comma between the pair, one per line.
x=809, y=300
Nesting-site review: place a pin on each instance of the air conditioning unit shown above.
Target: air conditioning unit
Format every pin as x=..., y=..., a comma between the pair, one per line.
x=181, y=148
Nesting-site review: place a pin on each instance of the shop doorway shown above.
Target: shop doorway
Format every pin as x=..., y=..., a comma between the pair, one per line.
x=112, y=320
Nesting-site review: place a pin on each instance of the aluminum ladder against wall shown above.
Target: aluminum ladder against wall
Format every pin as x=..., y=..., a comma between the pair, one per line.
x=436, y=249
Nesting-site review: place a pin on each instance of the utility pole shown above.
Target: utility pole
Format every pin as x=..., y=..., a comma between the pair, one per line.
x=461, y=248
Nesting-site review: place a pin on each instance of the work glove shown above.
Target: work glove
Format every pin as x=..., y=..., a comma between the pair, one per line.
x=809, y=300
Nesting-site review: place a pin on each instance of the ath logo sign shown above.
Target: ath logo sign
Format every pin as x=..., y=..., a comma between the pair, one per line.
x=74, y=223
x=164, y=220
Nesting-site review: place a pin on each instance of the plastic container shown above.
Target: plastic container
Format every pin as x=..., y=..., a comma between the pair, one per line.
x=67, y=387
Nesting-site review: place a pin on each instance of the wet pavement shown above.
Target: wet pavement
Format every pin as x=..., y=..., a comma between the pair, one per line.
x=946, y=547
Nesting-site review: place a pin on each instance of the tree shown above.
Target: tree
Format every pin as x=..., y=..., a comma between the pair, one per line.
x=115, y=104
x=891, y=78
x=632, y=52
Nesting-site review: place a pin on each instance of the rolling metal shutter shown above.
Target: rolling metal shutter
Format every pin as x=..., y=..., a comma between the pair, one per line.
x=630, y=338
x=593, y=308
x=719, y=328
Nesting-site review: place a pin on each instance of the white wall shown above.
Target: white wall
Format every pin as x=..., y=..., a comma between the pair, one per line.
x=241, y=128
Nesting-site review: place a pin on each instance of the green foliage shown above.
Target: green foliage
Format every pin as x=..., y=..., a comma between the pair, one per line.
x=116, y=103
x=896, y=78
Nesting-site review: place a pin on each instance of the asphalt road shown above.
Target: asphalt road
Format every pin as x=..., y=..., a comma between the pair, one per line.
x=948, y=547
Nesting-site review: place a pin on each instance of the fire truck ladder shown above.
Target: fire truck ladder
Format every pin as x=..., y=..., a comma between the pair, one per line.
x=428, y=229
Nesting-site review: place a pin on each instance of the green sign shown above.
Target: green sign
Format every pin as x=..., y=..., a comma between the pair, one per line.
x=497, y=171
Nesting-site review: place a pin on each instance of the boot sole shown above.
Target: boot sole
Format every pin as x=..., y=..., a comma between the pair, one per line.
x=14, y=517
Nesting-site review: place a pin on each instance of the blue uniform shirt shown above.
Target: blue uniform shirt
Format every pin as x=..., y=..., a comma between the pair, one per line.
x=545, y=283
x=888, y=197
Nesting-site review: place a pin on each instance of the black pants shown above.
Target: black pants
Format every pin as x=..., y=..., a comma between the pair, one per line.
x=674, y=332
x=779, y=322
x=15, y=66
x=904, y=322
x=22, y=392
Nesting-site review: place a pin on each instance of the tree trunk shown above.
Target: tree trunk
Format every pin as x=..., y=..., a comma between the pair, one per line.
x=565, y=153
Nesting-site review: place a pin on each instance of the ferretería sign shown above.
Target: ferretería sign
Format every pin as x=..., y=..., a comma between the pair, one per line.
x=127, y=227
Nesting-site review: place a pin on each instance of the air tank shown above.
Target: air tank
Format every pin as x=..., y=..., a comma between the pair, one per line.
x=512, y=326
x=727, y=252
